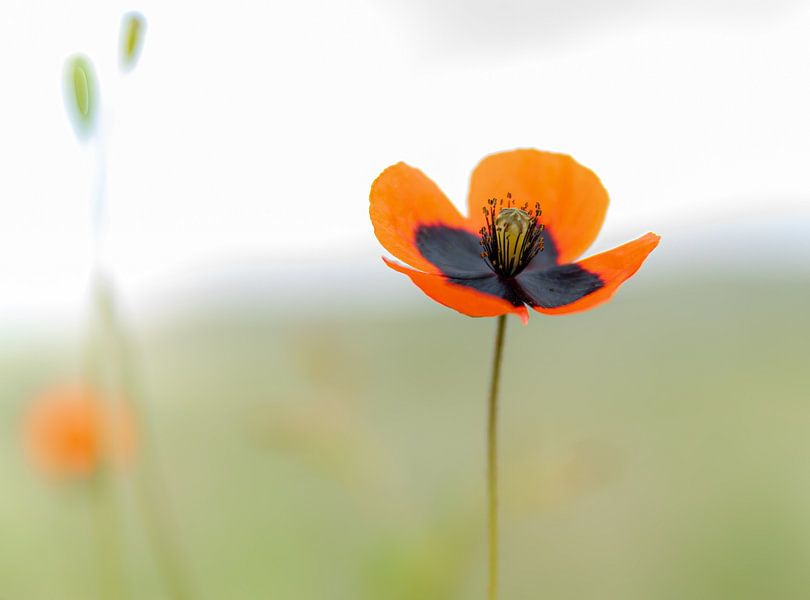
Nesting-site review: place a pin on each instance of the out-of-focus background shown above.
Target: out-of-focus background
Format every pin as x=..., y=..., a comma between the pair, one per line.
x=313, y=425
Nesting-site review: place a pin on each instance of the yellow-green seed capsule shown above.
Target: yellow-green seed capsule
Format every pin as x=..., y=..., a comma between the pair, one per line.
x=511, y=228
x=80, y=94
x=133, y=27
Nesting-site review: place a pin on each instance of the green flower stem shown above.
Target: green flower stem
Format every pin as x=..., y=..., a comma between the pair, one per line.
x=102, y=492
x=148, y=481
x=109, y=564
x=492, y=459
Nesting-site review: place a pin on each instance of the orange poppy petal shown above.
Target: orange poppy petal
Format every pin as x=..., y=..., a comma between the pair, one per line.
x=613, y=267
x=571, y=196
x=402, y=199
x=465, y=300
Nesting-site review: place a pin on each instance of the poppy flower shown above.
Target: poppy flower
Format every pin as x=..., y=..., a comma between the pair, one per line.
x=531, y=216
x=71, y=430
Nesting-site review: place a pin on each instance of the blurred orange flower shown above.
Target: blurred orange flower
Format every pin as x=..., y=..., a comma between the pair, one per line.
x=72, y=430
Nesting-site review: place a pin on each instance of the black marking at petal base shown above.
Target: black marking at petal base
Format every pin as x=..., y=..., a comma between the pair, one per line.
x=455, y=252
x=556, y=286
x=492, y=284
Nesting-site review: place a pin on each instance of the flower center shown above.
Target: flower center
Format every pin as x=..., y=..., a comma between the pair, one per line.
x=512, y=236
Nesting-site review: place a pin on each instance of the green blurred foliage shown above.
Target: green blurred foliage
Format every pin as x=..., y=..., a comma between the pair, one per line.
x=81, y=94
x=653, y=448
x=133, y=29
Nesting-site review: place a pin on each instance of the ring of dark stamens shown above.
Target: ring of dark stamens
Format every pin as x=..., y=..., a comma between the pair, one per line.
x=495, y=247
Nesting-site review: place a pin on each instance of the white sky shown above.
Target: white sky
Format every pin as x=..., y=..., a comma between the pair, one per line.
x=251, y=131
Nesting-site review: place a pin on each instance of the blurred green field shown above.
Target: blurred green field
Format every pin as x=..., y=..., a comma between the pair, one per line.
x=658, y=447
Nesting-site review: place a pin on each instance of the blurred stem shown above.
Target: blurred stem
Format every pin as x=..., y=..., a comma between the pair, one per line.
x=99, y=215
x=109, y=563
x=148, y=482
x=492, y=459
x=101, y=490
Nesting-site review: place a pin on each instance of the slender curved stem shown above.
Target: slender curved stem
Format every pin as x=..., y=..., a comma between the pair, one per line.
x=102, y=490
x=148, y=482
x=106, y=525
x=492, y=459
